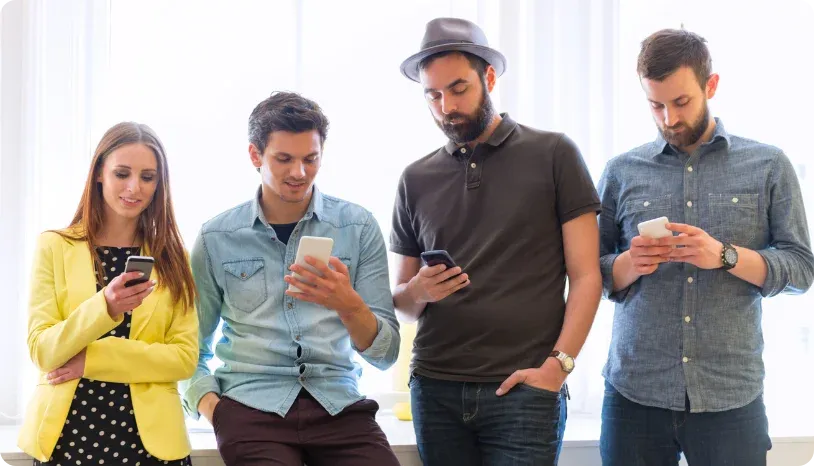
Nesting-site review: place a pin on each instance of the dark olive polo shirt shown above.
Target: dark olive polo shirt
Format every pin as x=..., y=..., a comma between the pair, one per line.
x=498, y=210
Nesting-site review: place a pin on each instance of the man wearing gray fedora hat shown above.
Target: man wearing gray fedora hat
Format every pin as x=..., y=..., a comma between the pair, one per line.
x=515, y=209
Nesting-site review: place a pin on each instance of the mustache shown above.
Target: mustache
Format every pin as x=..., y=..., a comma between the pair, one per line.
x=676, y=127
x=452, y=116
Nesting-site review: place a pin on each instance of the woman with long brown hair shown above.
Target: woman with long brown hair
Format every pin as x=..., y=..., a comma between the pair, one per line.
x=109, y=354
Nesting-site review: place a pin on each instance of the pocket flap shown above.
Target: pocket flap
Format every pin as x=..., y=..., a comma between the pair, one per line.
x=734, y=200
x=649, y=204
x=243, y=269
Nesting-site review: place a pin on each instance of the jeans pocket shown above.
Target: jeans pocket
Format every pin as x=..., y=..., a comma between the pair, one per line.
x=540, y=391
x=411, y=380
x=245, y=283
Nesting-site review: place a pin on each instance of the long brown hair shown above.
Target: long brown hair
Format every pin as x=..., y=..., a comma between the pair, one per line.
x=156, y=227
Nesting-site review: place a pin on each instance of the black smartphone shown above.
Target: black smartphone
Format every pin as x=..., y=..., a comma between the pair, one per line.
x=431, y=258
x=143, y=264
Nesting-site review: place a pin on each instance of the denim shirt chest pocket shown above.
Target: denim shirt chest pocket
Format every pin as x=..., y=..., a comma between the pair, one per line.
x=642, y=209
x=245, y=283
x=733, y=218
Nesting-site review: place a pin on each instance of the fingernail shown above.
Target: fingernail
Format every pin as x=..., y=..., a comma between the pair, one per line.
x=499, y=392
x=140, y=274
x=154, y=282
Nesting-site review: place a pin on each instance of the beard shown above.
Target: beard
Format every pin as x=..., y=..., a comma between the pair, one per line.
x=471, y=126
x=691, y=134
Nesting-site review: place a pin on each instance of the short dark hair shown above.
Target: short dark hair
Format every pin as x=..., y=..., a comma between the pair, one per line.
x=285, y=111
x=477, y=63
x=667, y=50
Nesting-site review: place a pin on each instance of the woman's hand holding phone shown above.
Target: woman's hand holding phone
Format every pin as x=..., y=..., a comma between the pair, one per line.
x=121, y=299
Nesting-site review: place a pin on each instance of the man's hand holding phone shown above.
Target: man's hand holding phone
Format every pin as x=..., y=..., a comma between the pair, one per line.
x=436, y=281
x=647, y=251
x=646, y=254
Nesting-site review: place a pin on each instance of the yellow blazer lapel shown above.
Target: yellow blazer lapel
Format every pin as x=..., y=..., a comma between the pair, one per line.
x=143, y=313
x=79, y=273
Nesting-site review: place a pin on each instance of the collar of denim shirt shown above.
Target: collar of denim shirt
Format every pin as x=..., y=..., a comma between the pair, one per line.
x=315, y=207
x=719, y=134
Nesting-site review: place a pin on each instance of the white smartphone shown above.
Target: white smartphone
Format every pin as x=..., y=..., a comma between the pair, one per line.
x=143, y=264
x=315, y=246
x=655, y=228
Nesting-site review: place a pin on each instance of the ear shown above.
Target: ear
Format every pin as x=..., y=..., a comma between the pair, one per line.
x=712, y=85
x=256, y=156
x=491, y=78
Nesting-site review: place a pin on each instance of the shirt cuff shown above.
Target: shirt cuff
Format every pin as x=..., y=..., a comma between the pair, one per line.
x=606, y=266
x=378, y=350
x=196, y=390
x=773, y=285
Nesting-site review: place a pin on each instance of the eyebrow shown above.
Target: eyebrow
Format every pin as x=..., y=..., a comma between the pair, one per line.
x=286, y=154
x=682, y=96
x=448, y=86
x=130, y=168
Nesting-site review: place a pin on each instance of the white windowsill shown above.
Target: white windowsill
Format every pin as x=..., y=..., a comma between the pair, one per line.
x=581, y=432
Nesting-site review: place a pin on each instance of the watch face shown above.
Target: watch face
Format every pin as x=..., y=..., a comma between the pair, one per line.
x=731, y=256
x=568, y=364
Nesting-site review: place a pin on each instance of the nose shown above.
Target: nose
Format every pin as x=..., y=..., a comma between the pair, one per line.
x=670, y=116
x=297, y=170
x=448, y=104
x=134, y=184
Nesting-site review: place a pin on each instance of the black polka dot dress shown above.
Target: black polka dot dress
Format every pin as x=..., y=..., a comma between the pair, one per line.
x=101, y=427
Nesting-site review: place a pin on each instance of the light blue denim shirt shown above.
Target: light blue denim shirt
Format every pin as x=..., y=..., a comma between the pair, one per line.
x=740, y=192
x=239, y=264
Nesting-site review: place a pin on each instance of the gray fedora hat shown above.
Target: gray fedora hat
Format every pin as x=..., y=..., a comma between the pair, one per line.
x=445, y=34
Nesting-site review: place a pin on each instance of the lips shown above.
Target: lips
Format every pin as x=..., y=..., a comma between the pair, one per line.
x=130, y=202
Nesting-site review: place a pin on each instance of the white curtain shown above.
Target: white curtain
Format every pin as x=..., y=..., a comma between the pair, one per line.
x=53, y=61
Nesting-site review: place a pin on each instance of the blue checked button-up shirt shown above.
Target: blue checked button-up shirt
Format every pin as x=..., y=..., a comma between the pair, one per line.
x=274, y=345
x=683, y=331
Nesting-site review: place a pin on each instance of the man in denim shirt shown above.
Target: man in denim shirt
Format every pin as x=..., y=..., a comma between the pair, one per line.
x=287, y=390
x=685, y=370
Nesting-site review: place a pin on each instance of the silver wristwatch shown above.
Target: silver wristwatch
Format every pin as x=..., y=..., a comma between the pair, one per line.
x=566, y=361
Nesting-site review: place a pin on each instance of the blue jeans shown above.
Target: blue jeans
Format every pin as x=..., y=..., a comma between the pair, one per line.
x=464, y=423
x=637, y=435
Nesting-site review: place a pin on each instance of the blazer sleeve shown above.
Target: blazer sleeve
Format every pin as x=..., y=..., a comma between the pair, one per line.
x=134, y=361
x=53, y=339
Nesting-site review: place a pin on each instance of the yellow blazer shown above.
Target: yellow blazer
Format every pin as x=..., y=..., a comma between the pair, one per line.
x=67, y=315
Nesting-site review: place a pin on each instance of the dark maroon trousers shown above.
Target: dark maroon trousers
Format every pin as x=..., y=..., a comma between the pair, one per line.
x=307, y=434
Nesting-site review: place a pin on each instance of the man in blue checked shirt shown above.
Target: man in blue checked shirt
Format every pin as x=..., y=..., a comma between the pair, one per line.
x=287, y=390
x=685, y=369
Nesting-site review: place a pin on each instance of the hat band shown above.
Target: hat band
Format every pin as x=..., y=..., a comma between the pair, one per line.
x=446, y=42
